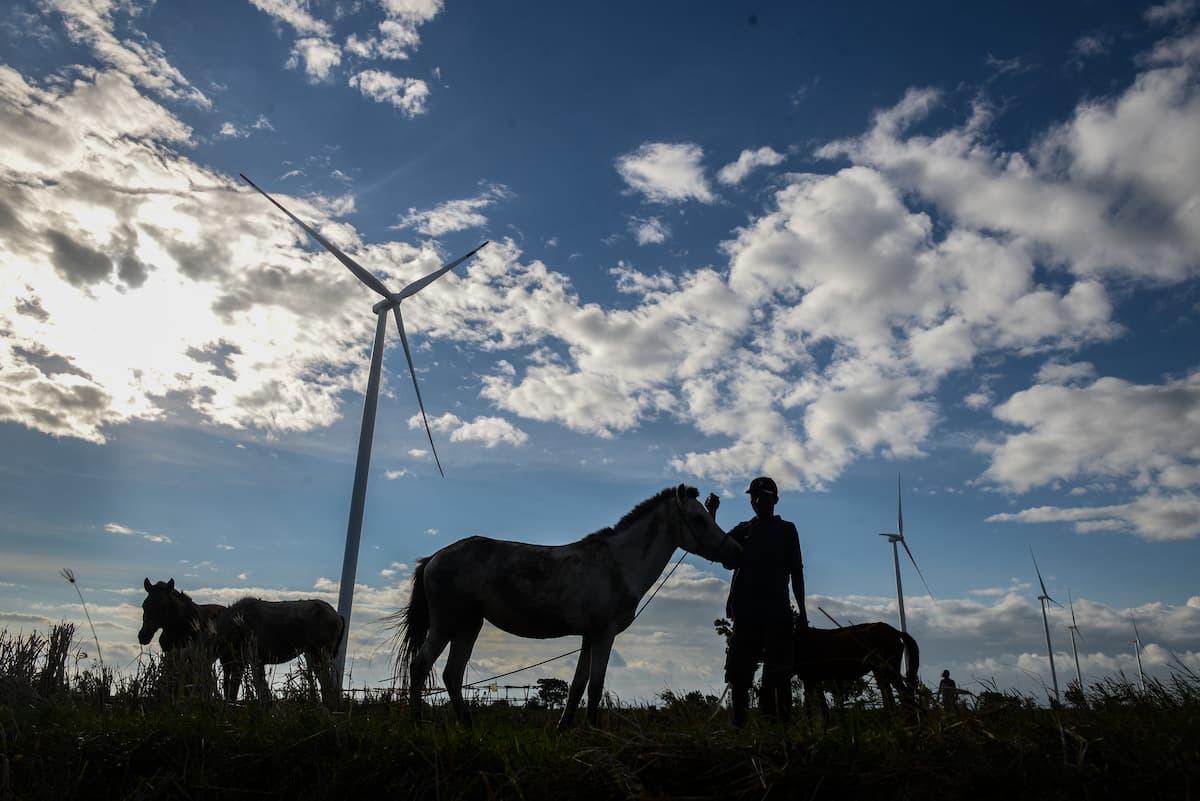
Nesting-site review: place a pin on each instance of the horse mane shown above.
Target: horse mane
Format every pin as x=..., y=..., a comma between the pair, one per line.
x=632, y=516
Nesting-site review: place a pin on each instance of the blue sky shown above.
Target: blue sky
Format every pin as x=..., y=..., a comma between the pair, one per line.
x=954, y=242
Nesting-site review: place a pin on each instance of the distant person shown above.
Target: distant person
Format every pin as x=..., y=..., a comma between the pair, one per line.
x=948, y=691
x=759, y=607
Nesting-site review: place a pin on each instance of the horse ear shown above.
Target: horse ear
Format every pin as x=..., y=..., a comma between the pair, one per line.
x=146, y=583
x=693, y=492
x=171, y=583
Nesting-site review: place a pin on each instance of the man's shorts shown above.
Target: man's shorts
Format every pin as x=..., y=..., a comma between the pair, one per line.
x=750, y=644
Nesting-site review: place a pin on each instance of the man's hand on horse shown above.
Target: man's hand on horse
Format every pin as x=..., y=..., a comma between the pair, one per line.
x=711, y=503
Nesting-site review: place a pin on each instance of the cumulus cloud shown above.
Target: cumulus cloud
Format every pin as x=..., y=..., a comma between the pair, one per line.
x=1146, y=434
x=1110, y=427
x=395, y=37
x=119, y=225
x=138, y=57
x=666, y=173
x=734, y=173
x=319, y=57
x=407, y=94
x=649, y=231
x=455, y=215
x=490, y=431
x=1119, y=208
x=825, y=334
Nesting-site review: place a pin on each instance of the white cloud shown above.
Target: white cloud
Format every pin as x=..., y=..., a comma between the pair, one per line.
x=296, y=14
x=126, y=531
x=139, y=58
x=1170, y=11
x=1111, y=427
x=398, y=35
x=649, y=231
x=1088, y=47
x=319, y=57
x=1146, y=434
x=407, y=94
x=666, y=173
x=490, y=431
x=1119, y=173
x=119, y=224
x=455, y=215
x=734, y=173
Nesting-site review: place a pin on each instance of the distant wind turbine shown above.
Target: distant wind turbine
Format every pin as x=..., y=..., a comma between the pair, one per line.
x=1137, y=651
x=391, y=302
x=898, y=539
x=1044, y=598
x=1074, y=629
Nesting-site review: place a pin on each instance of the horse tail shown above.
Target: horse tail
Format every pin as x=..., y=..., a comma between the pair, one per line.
x=412, y=625
x=914, y=658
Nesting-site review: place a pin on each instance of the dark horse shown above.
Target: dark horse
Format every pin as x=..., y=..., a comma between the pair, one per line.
x=249, y=634
x=253, y=633
x=589, y=588
x=849, y=653
x=182, y=620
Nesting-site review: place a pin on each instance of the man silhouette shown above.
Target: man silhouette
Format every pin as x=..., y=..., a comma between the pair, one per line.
x=759, y=607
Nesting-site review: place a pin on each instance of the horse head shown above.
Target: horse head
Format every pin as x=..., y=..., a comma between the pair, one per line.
x=699, y=532
x=156, y=609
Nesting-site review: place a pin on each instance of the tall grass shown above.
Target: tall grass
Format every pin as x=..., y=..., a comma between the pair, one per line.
x=161, y=732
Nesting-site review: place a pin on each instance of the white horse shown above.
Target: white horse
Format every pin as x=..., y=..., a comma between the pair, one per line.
x=589, y=588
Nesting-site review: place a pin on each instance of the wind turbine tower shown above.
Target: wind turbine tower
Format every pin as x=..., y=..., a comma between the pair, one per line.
x=391, y=302
x=1137, y=652
x=897, y=540
x=1074, y=629
x=1044, y=598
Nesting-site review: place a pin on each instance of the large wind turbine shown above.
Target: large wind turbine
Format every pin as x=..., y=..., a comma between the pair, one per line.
x=1074, y=629
x=1044, y=597
x=1137, y=651
x=391, y=302
x=896, y=540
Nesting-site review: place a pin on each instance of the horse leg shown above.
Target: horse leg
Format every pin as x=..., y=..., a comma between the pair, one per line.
x=601, y=649
x=578, y=682
x=258, y=670
x=231, y=678
x=321, y=664
x=422, y=663
x=883, y=680
x=456, y=666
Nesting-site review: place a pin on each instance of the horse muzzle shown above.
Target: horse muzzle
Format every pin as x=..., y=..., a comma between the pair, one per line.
x=144, y=637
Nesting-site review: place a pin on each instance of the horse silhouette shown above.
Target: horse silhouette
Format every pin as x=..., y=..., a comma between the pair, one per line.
x=248, y=635
x=589, y=588
x=849, y=653
x=253, y=633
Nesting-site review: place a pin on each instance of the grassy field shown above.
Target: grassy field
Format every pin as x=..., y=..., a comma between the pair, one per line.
x=67, y=731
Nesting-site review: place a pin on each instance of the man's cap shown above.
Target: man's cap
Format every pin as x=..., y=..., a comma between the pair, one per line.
x=763, y=486
x=945, y=674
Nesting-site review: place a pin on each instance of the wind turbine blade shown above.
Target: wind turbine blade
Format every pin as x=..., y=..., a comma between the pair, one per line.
x=412, y=371
x=1074, y=625
x=360, y=272
x=421, y=283
x=900, y=513
x=1039, y=573
x=914, y=561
